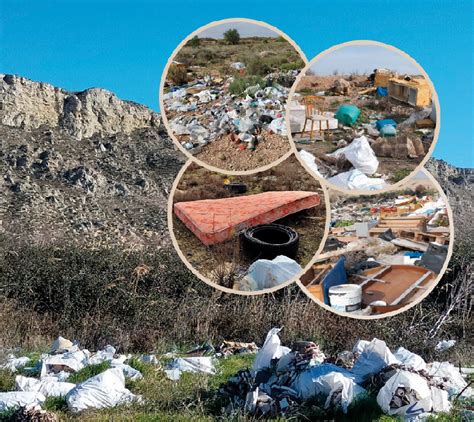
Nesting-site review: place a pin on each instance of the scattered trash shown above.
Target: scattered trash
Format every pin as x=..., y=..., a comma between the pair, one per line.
x=444, y=345
x=13, y=363
x=356, y=179
x=360, y=155
x=177, y=366
x=15, y=399
x=48, y=386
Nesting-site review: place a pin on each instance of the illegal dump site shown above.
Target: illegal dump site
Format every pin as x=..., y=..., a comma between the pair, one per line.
x=234, y=380
x=224, y=95
x=383, y=251
x=363, y=129
x=252, y=232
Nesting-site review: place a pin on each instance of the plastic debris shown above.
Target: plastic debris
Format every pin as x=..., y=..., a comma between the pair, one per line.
x=101, y=391
x=13, y=363
x=14, y=399
x=48, y=386
x=360, y=155
x=444, y=345
x=347, y=114
x=264, y=273
x=201, y=364
x=355, y=179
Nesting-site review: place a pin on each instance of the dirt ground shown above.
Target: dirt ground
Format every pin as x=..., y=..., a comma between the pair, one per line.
x=199, y=183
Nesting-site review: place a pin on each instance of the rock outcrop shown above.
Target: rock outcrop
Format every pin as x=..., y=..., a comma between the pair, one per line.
x=28, y=105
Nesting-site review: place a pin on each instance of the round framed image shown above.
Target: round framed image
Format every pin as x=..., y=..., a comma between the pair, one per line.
x=384, y=252
x=248, y=234
x=224, y=91
x=364, y=116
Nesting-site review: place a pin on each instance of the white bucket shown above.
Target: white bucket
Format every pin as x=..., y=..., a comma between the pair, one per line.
x=346, y=297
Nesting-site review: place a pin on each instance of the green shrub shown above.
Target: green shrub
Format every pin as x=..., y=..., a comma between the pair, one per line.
x=194, y=42
x=239, y=85
x=178, y=75
x=232, y=36
x=257, y=67
x=88, y=372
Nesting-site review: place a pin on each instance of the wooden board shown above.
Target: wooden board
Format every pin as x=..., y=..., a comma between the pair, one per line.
x=410, y=244
x=396, y=285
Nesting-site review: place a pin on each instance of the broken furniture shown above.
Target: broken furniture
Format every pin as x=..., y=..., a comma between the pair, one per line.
x=395, y=285
x=218, y=220
x=313, y=112
x=414, y=91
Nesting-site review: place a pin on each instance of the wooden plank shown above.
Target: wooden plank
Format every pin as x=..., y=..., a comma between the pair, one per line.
x=373, y=277
x=410, y=244
x=415, y=285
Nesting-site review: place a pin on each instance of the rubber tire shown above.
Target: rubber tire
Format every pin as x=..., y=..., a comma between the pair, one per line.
x=257, y=248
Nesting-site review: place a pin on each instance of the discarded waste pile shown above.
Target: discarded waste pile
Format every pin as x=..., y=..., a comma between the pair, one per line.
x=283, y=379
x=270, y=248
x=50, y=376
x=382, y=253
x=253, y=123
x=224, y=101
x=365, y=132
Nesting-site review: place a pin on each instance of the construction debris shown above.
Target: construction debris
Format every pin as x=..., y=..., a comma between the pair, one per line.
x=391, y=247
x=284, y=379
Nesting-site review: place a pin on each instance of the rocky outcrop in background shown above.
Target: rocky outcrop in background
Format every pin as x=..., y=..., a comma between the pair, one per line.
x=91, y=168
x=86, y=167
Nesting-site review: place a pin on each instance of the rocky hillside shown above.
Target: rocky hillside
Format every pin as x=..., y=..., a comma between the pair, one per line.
x=84, y=166
x=89, y=167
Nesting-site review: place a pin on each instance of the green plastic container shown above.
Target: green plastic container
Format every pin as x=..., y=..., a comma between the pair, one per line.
x=347, y=114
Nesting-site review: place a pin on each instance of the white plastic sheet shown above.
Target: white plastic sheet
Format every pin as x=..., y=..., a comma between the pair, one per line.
x=48, y=386
x=278, y=126
x=310, y=160
x=355, y=179
x=271, y=349
x=264, y=273
x=407, y=380
x=203, y=364
x=72, y=361
x=360, y=155
x=455, y=381
x=13, y=399
x=102, y=391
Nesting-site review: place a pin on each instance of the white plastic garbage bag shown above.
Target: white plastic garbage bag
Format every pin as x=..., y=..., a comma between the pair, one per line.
x=412, y=360
x=412, y=387
x=455, y=381
x=202, y=364
x=104, y=355
x=129, y=372
x=360, y=346
x=440, y=399
x=49, y=386
x=264, y=273
x=327, y=379
x=13, y=363
x=360, y=155
x=375, y=357
x=104, y=390
x=71, y=361
x=309, y=160
x=13, y=399
x=355, y=179
x=271, y=349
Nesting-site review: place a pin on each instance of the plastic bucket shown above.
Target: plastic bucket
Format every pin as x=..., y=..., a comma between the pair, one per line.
x=346, y=297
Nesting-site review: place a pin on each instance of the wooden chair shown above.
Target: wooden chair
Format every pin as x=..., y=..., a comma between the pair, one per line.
x=313, y=112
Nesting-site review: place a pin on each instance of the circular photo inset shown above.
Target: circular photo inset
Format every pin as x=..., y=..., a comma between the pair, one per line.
x=224, y=91
x=364, y=116
x=384, y=252
x=251, y=233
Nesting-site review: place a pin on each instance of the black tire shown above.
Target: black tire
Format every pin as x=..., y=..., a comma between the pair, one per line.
x=267, y=241
x=236, y=187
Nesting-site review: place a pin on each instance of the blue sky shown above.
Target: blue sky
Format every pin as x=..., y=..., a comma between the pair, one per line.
x=123, y=46
x=362, y=59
